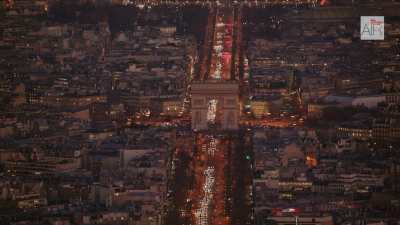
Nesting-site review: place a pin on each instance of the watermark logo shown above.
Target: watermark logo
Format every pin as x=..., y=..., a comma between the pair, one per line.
x=372, y=28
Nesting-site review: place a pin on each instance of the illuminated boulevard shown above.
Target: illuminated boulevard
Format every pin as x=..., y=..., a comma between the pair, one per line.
x=212, y=169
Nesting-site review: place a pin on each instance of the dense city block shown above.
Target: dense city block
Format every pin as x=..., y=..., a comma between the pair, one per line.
x=217, y=112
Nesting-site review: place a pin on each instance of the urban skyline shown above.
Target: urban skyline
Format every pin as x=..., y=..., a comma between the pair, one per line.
x=199, y=112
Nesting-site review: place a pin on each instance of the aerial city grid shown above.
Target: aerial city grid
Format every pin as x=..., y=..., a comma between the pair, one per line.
x=200, y=112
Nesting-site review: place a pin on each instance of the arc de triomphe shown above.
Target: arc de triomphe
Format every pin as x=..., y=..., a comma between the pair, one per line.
x=226, y=96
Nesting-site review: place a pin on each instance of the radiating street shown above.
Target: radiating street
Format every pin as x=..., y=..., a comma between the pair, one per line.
x=219, y=173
